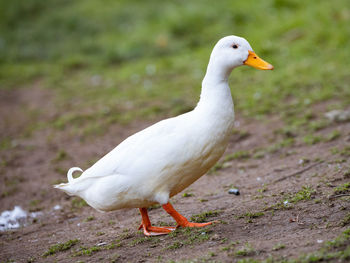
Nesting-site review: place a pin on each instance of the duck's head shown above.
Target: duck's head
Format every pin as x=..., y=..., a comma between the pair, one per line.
x=234, y=51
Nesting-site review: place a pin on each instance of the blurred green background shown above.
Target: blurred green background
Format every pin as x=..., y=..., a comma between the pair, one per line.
x=110, y=61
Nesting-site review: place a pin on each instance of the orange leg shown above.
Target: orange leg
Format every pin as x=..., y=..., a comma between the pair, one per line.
x=150, y=230
x=180, y=219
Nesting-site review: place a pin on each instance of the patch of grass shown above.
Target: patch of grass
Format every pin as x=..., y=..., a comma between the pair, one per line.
x=317, y=201
x=279, y=145
x=115, y=244
x=126, y=235
x=34, y=202
x=87, y=251
x=89, y=218
x=218, y=166
x=248, y=260
x=259, y=155
x=278, y=247
x=60, y=171
x=317, y=125
x=230, y=246
x=3, y=164
x=5, y=143
x=247, y=250
x=189, y=236
x=11, y=184
x=342, y=189
x=198, y=236
x=60, y=247
x=339, y=241
x=187, y=195
x=140, y=240
x=35, y=205
x=60, y=156
x=114, y=76
x=311, y=139
x=240, y=134
x=347, y=174
x=114, y=258
x=333, y=136
x=345, y=151
x=334, y=150
x=239, y=155
x=346, y=220
x=337, y=250
x=263, y=189
x=78, y=203
x=31, y=260
x=304, y=161
x=175, y=245
x=253, y=215
x=306, y=193
x=203, y=217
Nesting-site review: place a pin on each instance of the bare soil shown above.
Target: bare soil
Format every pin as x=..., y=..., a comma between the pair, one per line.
x=256, y=221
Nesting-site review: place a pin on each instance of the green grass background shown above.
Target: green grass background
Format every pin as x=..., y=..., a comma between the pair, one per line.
x=111, y=61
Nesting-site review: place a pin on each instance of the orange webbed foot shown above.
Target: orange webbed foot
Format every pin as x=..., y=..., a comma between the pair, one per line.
x=192, y=224
x=181, y=220
x=157, y=231
x=150, y=230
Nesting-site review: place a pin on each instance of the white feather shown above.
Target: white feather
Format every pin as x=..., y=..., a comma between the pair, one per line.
x=71, y=171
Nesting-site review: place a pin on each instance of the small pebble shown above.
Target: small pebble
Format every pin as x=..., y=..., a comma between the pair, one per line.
x=101, y=244
x=57, y=207
x=233, y=191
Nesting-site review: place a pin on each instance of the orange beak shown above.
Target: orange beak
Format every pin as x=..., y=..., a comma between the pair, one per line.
x=254, y=61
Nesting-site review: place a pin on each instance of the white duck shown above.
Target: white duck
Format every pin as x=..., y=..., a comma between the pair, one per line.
x=160, y=161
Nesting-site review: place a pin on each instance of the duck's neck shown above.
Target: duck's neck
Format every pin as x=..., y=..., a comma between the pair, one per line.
x=216, y=94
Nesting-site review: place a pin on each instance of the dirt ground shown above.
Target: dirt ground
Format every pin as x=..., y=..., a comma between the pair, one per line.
x=289, y=203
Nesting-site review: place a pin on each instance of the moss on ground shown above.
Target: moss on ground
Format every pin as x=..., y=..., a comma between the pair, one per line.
x=60, y=247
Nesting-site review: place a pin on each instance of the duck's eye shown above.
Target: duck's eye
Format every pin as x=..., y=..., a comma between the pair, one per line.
x=235, y=46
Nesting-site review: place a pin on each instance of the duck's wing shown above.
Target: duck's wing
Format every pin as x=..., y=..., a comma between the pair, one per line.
x=150, y=150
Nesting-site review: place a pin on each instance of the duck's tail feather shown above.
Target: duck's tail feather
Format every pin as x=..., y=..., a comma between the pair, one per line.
x=70, y=173
x=69, y=187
